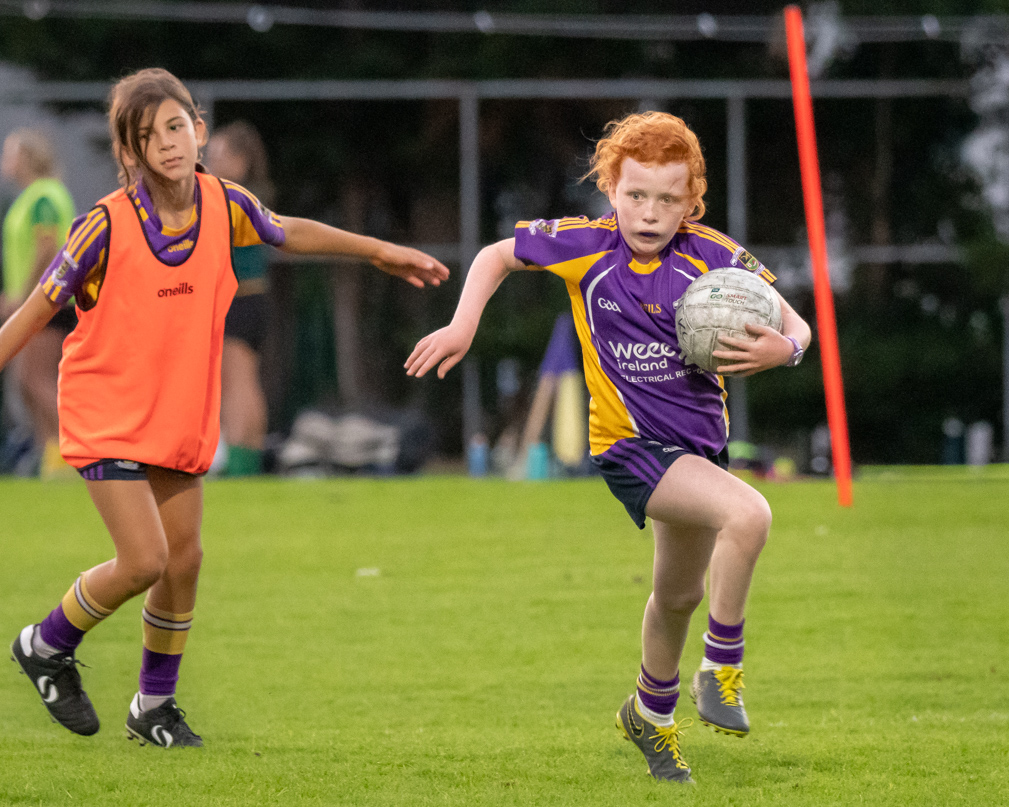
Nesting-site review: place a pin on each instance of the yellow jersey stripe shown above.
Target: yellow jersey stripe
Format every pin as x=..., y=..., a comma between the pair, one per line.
x=701, y=265
x=569, y=223
x=89, y=242
x=95, y=218
x=712, y=235
x=605, y=406
x=724, y=395
x=232, y=186
x=598, y=224
x=246, y=234
x=574, y=270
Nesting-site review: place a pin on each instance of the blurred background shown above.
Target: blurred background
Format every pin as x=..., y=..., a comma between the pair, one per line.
x=440, y=124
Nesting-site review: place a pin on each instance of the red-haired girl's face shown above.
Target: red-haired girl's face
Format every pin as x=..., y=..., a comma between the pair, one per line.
x=171, y=141
x=651, y=202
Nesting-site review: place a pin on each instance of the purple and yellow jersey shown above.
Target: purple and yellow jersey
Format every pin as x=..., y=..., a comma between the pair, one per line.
x=79, y=269
x=625, y=319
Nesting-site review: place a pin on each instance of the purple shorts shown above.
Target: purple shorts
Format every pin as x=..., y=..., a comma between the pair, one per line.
x=632, y=467
x=109, y=470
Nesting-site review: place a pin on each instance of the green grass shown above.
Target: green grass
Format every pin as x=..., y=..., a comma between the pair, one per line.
x=484, y=663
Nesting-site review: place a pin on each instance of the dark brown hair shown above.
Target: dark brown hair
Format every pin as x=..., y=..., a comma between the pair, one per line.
x=129, y=101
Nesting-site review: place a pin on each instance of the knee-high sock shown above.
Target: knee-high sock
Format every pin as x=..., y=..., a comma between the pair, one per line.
x=723, y=644
x=656, y=695
x=165, y=637
x=76, y=614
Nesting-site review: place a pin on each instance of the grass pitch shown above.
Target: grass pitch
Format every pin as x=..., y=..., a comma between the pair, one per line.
x=442, y=641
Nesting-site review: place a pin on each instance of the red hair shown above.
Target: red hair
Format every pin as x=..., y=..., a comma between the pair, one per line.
x=650, y=138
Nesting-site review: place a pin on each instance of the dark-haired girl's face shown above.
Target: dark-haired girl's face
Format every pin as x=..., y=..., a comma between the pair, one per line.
x=171, y=140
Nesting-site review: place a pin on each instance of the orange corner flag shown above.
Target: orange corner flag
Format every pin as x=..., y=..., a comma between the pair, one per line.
x=830, y=357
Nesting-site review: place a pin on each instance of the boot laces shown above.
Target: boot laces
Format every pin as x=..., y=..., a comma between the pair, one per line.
x=67, y=674
x=668, y=737
x=730, y=681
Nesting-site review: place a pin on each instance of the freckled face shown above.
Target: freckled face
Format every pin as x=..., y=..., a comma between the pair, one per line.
x=651, y=201
x=171, y=140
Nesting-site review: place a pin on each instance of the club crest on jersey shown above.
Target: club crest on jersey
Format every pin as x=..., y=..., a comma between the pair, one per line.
x=546, y=226
x=741, y=256
x=60, y=275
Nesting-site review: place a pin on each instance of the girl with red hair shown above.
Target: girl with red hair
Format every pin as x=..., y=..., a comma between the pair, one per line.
x=658, y=426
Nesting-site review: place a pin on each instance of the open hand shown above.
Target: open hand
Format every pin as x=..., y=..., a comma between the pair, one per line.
x=768, y=349
x=444, y=348
x=415, y=267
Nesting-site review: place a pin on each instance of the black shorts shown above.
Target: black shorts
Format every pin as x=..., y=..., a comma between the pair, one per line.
x=246, y=320
x=119, y=470
x=64, y=320
x=632, y=468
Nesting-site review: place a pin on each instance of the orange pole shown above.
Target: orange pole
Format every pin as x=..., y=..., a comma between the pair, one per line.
x=830, y=357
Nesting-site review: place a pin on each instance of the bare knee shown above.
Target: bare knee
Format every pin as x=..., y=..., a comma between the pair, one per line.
x=750, y=524
x=185, y=561
x=681, y=602
x=145, y=570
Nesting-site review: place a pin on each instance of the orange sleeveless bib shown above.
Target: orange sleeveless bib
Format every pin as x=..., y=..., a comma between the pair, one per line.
x=140, y=377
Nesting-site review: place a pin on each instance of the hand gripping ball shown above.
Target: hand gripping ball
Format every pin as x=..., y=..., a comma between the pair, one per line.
x=720, y=303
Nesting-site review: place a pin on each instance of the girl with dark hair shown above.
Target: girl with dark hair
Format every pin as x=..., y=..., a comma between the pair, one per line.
x=150, y=268
x=236, y=152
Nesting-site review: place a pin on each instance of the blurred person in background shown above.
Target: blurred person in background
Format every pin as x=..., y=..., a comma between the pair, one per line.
x=236, y=152
x=33, y=231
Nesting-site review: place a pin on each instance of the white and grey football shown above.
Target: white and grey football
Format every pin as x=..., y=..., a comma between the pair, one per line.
x=720, y=303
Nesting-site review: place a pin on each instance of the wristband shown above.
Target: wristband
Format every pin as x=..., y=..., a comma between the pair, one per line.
x=797, y=353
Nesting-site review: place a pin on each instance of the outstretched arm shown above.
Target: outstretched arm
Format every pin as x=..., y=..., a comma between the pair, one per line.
x=305, y=236
x=446, y=347
x=769, y=349
x=33, y=315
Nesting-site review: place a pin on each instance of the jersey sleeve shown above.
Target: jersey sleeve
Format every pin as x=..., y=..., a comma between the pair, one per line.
x=717, y=251
x=557, y=244
x=79, y=268
x=252, y=223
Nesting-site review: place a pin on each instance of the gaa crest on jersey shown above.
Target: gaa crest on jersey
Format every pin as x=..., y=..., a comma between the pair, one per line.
x=59, y=277
x=546, y=226
x=741, y=256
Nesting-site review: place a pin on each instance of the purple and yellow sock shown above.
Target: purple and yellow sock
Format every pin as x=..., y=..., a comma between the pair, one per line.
x=76, y=614
x=723, y=644
x=165, y=637
x=658, y=696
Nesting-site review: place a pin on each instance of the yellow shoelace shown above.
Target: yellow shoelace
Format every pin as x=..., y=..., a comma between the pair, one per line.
x=730, y=681
x=669, y=737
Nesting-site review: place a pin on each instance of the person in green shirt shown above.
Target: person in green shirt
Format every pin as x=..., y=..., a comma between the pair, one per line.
x=33, y=231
